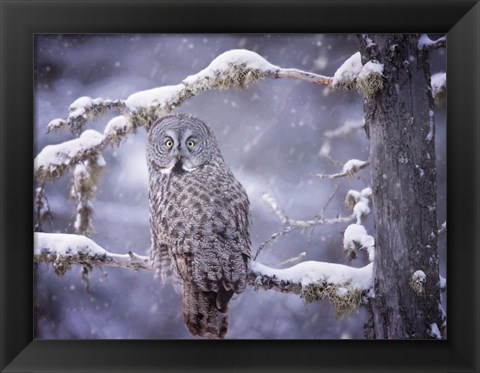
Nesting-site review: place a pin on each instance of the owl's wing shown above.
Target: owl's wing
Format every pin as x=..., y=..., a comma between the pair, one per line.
x=159, y=243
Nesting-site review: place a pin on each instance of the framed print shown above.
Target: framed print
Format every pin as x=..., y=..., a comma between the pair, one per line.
x=285, y=198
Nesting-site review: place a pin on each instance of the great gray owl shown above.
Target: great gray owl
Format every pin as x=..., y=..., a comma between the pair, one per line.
x=199, y=221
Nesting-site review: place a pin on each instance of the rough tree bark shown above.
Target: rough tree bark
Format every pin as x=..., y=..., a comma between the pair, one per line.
x=399, y=123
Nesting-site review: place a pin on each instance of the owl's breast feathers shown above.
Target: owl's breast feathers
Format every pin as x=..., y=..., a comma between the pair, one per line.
x=206, y=216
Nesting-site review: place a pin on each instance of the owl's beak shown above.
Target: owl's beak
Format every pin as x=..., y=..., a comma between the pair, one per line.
x=178, y=167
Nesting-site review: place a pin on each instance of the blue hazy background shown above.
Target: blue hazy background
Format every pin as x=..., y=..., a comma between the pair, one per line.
x=270, y=136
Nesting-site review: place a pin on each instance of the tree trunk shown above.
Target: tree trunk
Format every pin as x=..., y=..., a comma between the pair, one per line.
x=399, y=123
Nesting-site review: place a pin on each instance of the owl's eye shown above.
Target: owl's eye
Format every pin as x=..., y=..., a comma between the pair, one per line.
x=169, y=143
x=190, y=143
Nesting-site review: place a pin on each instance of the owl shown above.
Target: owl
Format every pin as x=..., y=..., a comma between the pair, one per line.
x=199, y=221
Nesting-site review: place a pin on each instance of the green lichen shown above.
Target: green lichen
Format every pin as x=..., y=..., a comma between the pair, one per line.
x=369, y=85
x=418, y=286
x=237, y=76
x=344, y=299
x=345, y=84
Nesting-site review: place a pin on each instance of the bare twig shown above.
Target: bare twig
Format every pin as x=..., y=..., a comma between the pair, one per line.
x=291, y=224
x=330, y=198
x=305, y=76
x=270, y=202
x=349, y=169
x=347, y=128
x=272, y=239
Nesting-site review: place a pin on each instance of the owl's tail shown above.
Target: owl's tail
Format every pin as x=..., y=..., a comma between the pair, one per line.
x=201, y=315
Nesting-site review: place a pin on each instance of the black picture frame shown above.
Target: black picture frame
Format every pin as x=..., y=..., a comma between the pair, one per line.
x=20, y=20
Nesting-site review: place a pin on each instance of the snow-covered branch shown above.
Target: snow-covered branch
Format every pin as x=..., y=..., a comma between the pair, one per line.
x=232, y=69
x=82, y=110
x=65, y=250
x=356, y=201
x=439, y=87
x=425, y=43
x=54, y=160
x=85, y=181
x=359, y=203
x=443, y=228
x=368, y=78
x=342, y=285
x=349, y=169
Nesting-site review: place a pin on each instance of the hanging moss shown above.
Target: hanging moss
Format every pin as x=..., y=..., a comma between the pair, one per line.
x=369, y=84
x=343, y=299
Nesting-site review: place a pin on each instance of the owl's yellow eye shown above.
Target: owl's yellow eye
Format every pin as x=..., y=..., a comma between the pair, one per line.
x=190, y=143
x=169, y=143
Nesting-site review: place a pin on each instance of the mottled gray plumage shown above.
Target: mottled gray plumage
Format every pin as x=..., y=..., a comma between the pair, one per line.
x=199, y=221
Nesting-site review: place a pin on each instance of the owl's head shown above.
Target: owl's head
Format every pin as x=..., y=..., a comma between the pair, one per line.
x=180, y=143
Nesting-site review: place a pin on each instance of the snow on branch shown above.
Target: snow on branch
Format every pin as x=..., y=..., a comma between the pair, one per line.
x=425, y=43
x=54, y=160
x=442, y=283
x=359, y=203
x=356, y=201
x=367, y=79
x=443, y=228
x=85, y=181
x=342, y=285
x=65, y=250
x=82, y=110
x=439, y=87
x=232, y=69
x=355, y=238
x=349, y=169
x=346, y=75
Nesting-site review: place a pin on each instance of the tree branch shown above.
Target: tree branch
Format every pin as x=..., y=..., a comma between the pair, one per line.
x=439, y=87
x=232, y=69
x=350, y=168
x=443, y=228
x=425, y=43
x=270, y=202
x=341, y=285
x=305, y=76
x=64, y=250
x=290, y=224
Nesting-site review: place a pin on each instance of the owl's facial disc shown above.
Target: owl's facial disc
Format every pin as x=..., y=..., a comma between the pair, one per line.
x=179, y=146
